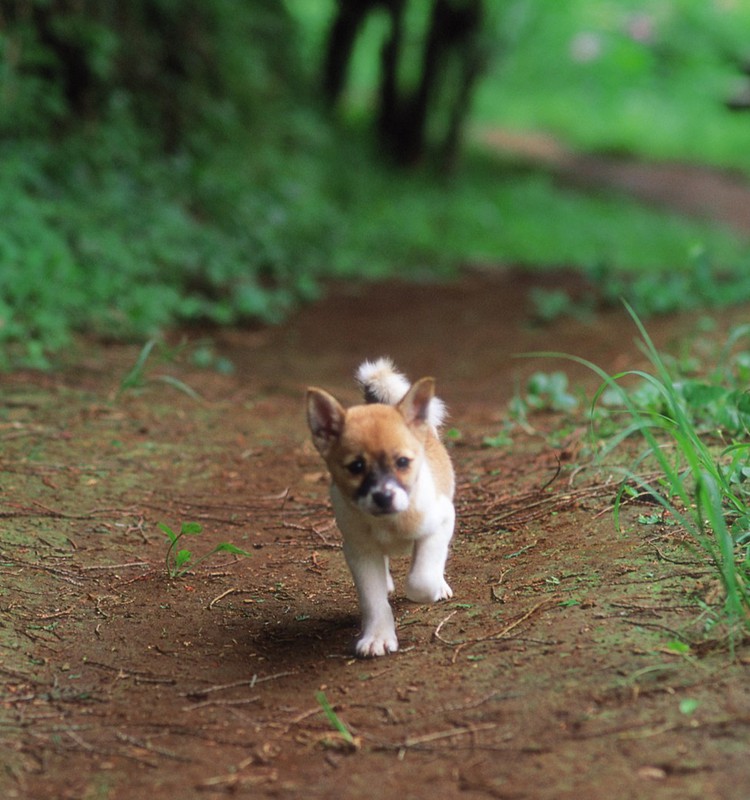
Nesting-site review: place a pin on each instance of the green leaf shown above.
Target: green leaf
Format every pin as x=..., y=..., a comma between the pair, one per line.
x=180, y=386
x=688, y=705
x=168, y=531
x=677, y=646
x=134, y=378
x=226, y=547
x=699, y=394
x=500, y=440
x=182, y=558
x=191, y=528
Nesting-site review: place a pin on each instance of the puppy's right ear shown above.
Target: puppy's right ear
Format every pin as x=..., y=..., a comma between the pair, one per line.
x=325, y=416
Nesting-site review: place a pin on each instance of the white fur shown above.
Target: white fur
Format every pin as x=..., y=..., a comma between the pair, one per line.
x=400, y=501
x=419, y=524
x=369, y=541
x=388, y=385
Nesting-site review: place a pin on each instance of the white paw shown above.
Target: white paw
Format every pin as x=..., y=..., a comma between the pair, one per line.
x=428, y=591
x=377, y=644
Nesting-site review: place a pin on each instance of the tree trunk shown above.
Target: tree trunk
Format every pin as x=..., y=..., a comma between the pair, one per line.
x=403, y=115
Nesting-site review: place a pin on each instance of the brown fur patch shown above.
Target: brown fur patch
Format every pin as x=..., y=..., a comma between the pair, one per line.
x=380, y=434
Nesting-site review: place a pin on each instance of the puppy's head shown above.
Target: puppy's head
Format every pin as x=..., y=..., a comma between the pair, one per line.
x=373, y=451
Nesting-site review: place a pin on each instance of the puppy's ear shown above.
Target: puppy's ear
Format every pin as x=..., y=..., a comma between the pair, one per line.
x=415, y=407
x=325, y=416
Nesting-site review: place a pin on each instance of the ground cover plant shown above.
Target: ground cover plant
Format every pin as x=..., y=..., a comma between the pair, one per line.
x=238, y=201
x=692, y=456
x=180, y=561
x=139, y=260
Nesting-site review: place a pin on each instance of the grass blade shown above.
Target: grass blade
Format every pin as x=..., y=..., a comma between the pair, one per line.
x=335, y=721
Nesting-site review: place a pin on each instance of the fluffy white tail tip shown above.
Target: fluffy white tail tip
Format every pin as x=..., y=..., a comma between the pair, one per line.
x=381, y=382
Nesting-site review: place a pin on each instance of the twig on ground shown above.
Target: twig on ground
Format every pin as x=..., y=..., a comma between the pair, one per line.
x=138, y=677
x=243, y=701
x=222, y=596
x=251, y=682
x=436, y=632
x=503, y=632
x=461, y=730
x=159, y=751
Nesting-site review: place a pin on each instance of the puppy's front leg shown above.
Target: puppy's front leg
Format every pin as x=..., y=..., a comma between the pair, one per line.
x=426, y=580
x=369, y=569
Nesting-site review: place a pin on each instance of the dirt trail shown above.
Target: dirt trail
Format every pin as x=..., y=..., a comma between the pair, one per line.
x=552, y=673
x=722, y=196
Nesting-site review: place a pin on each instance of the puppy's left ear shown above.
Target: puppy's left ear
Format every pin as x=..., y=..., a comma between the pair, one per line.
x=325, y=416
x=415, y=407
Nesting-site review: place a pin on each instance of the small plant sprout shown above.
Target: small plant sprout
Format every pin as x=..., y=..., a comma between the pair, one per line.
x=137, y=377
x=178, y=561
x=548, y=391
x=350, y=741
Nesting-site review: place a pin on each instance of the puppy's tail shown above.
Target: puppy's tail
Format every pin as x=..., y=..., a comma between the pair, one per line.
x=381, y=382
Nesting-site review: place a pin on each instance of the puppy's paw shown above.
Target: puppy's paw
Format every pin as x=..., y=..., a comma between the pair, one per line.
x=370, y=645
x=428, y=591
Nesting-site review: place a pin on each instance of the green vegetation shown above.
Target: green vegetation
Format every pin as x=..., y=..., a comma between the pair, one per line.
x=136, y=378
x=700, y=479
x=653, y=79
x=338, y=725
x=695, y=461
x=171, y=163
x=180, y=562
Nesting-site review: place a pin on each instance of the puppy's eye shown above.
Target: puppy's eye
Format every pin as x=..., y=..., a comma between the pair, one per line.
x=356, y=467
x=402, y=462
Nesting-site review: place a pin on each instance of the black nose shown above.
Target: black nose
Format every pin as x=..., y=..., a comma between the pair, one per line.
x=383, y=499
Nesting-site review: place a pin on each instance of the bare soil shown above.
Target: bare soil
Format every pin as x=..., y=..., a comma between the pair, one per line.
x=692, y=189
x=550, y=674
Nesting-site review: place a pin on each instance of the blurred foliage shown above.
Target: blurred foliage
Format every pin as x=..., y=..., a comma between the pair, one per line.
x=158, y=165
x=165, y=162
x=652, y=78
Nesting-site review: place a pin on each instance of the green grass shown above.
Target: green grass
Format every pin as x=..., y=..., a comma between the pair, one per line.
x=337, y=724
x=695, y=457
x=486, y=215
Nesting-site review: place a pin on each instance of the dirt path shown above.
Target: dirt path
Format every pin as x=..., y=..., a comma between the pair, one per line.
x=721, y=196
x=551, y=674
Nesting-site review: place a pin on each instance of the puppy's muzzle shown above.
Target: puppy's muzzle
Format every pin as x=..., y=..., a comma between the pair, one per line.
x=383, y=500
x=385, y=497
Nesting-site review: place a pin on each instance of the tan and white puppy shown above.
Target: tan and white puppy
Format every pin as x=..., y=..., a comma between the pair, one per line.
x=392, y=487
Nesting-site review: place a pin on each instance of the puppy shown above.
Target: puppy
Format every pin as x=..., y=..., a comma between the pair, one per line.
x=392, y=487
